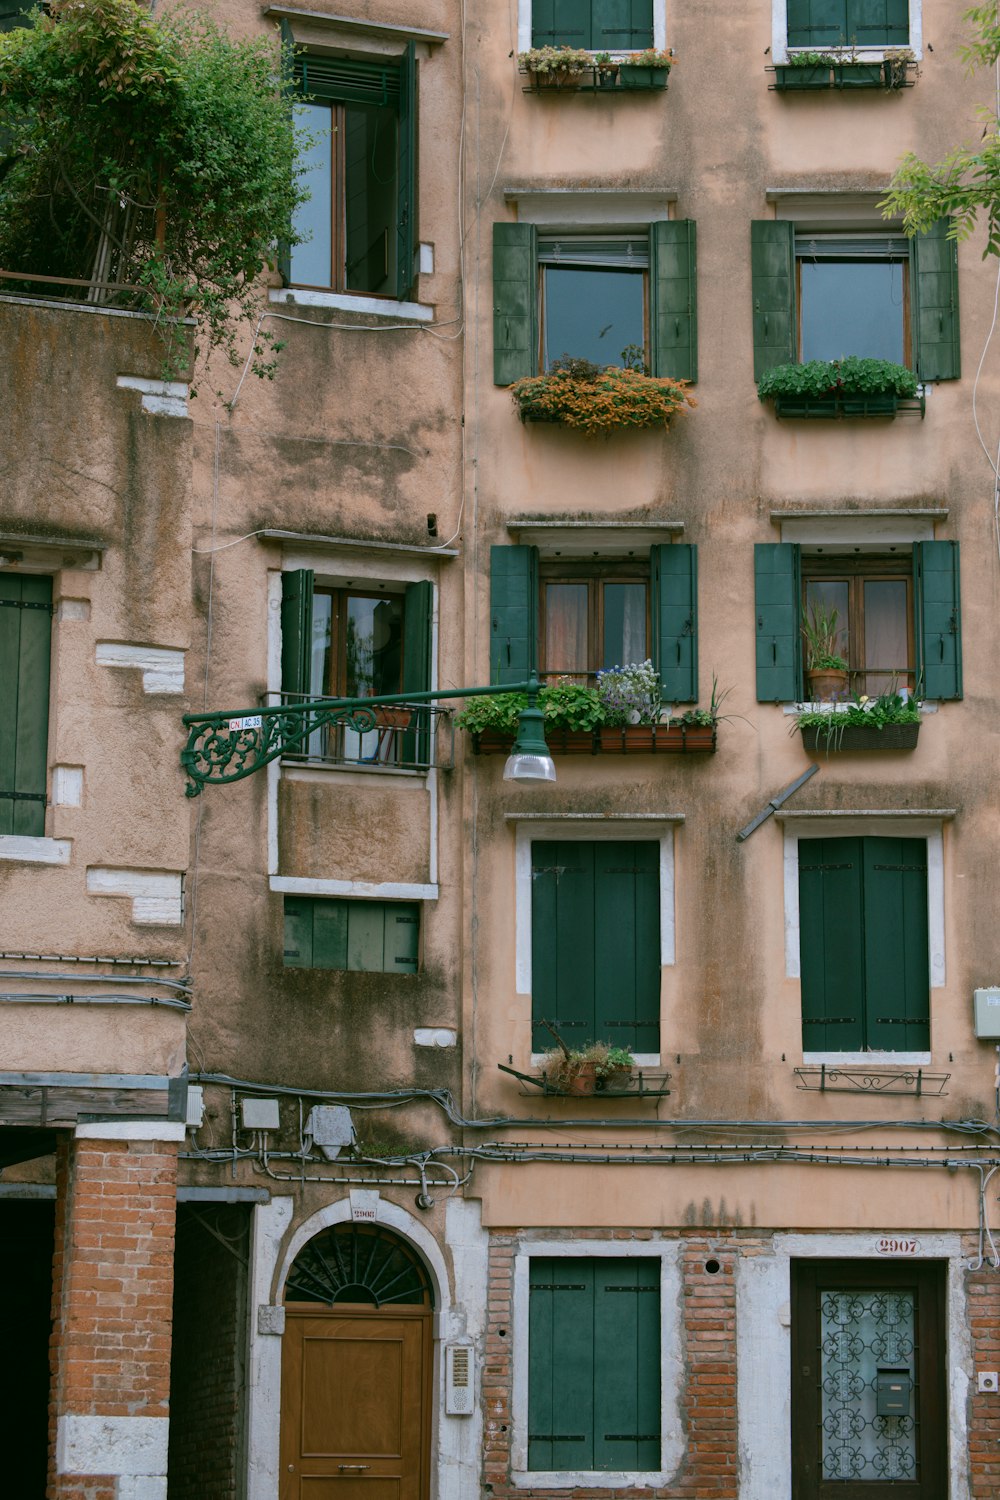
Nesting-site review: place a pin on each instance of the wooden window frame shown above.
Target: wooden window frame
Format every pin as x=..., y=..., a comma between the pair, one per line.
x=905, y=263
x=856, y=571
x=544, y=263
x=595, y=575
x=929, y=1280
x=336, y=686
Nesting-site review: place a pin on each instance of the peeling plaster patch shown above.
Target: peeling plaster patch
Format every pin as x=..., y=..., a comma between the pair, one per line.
x=73, y=609
x=142, y=1487
x=156, y=896
x=434, y=1036
x=126, y=1446
x=30, y=851
x=160, y=398
x=162, y=669
x=67, y=786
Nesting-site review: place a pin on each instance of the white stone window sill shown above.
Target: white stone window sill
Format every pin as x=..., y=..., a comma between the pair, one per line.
x=601, y=1479
x=35, y=851
x=307, y=769
x=871, y=1060
x=840, y=708
x=378, y=307
x=642, y=1060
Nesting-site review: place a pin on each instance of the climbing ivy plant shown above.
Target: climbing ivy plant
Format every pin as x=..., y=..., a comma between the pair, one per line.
x=151, y=161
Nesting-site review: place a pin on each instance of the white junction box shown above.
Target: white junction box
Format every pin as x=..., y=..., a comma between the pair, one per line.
x=330, y=1127
x=261, y=1114
x=986, y=1004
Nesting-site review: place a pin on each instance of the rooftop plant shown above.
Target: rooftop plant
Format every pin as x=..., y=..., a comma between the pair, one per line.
x=851, y=376
x=154, y=156
x=593, y=400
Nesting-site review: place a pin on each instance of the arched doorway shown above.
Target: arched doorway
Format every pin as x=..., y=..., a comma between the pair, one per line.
x=356, y=1369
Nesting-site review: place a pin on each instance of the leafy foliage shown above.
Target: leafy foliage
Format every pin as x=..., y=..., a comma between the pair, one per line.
x=565, y=705
x=157, y=155
x=629, y=694
x=593, y=400
x=871, y=713
x=967, y=181
x=847, y=377
x=555, y=61
x=821, y=635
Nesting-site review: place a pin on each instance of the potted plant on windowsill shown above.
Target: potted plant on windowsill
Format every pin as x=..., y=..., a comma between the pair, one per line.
x=579, y=394
x=804, y=70
x=555, y=67
x=890, y=721
x=897, y=63
x=826, y=668
x=648, y=69
x=572, y=717
x=850, y=387
x=596, y=1068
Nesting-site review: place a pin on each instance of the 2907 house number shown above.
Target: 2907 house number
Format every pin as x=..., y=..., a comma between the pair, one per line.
x=892, y=1245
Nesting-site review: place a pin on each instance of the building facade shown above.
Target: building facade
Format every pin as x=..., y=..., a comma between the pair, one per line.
x=296, y=1202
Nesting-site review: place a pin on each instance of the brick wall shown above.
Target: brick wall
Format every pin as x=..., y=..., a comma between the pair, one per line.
x=708, y=1349
x=208, y=1358
x=983, y=1291
x=111, y=1292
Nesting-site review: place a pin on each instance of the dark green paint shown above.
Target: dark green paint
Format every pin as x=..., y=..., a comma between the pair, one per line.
x=674, y=606
x=777, y=590
x=673, y=280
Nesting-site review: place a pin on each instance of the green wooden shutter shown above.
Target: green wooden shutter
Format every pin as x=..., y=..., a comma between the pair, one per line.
x=288, y=91
x=513, y=613
x=13, y=17
x=298, y=932
x=878, y=23
x=625, y=918
x=938, y=609
x=402, y=937
x=406, y=185
x=563, y=937
x=817, y=23
x=831, y=944
x=934, y=299
x=620, y=25
x=418, y=610
x=772, y=269
x=543, y=23
x=296, y=630
x=627, y=1363
x=674, y=609
x=897, y=961
x=779, y=611
x=561, y=1352
x=25, y=655
x=673, y=284
x=515, y=302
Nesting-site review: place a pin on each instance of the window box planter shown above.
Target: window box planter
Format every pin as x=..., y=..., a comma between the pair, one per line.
x=860, y=737
x=791, y=79
x=581, y=395
x=634, y=77
x=838, y=388
x=858, y=75
x=838, y=407
x=631, y=739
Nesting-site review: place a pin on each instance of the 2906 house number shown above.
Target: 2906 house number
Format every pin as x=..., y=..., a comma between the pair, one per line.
x=892, y=1245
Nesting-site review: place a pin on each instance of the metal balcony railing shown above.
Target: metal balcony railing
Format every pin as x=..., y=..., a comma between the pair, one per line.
x=406, y=737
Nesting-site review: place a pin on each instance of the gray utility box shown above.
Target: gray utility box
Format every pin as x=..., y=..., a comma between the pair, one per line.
x=986, y=1005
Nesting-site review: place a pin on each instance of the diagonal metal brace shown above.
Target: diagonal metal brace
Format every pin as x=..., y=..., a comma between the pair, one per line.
x=774, y=804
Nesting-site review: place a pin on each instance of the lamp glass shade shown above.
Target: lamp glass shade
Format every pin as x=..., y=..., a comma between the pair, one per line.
x=529, y=760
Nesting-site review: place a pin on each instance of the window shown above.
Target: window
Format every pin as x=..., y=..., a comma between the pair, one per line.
x=358, y=640
x=848, y=23
x=899, y=615
x=574, y=618
x=359, y=223
x=364, y=936
x=616, y=299
x=594, y=1364
x=25, y=649
x=595, y=946
x=597, y=25
x=14, y=15
x=872, y=1415
x=822, y=294
x=864, y=944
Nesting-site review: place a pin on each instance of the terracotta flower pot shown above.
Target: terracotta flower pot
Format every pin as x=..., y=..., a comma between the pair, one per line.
x=826, y=684
x=393, y=718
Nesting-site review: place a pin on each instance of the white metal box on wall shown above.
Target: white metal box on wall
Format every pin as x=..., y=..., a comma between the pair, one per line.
x=986, y=1005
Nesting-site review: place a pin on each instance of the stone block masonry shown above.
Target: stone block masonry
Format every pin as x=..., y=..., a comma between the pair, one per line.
x=111, y=1314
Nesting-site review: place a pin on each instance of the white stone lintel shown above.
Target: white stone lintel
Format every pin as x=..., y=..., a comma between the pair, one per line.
x=130, y=1130
x=160, y=398
x=67, y=786
x=162, y=668
x=123, y=1446
x=31, y=851
x=382, y=890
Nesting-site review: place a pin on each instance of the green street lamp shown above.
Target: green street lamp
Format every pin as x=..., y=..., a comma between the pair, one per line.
x=227, y=747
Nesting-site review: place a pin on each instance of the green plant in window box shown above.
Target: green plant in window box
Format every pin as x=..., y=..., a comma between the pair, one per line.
x=851, y=386
x=896, y=64
x=629, y=694
x=607, y=70
x=804, y=70
x=584, y=1070
x=826, y=668
x=647, y=69
x=579, y=394
x=555, y=67
x=890, y=721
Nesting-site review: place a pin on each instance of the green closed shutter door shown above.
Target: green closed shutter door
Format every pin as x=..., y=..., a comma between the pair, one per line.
x=298, y=932
x=12, y=17
x=594, y=1364
x=288, y=92
x=779, y=610
x=934, y=298
x=897, y=962
x=296, y=630
x=831, y=943
x=938, y=607
x=674, y=591
x=513, y=613
x=515, y=302
x=25, y=654
x=402, y=937
x=361, y=936
x=595, y=949
x=418, y=610
x=406, y=185
x=673, y=283
x=621, y=25
x=862, y=23
x=772, y=269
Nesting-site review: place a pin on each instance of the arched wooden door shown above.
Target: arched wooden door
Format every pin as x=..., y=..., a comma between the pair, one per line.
x=356, y=1370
